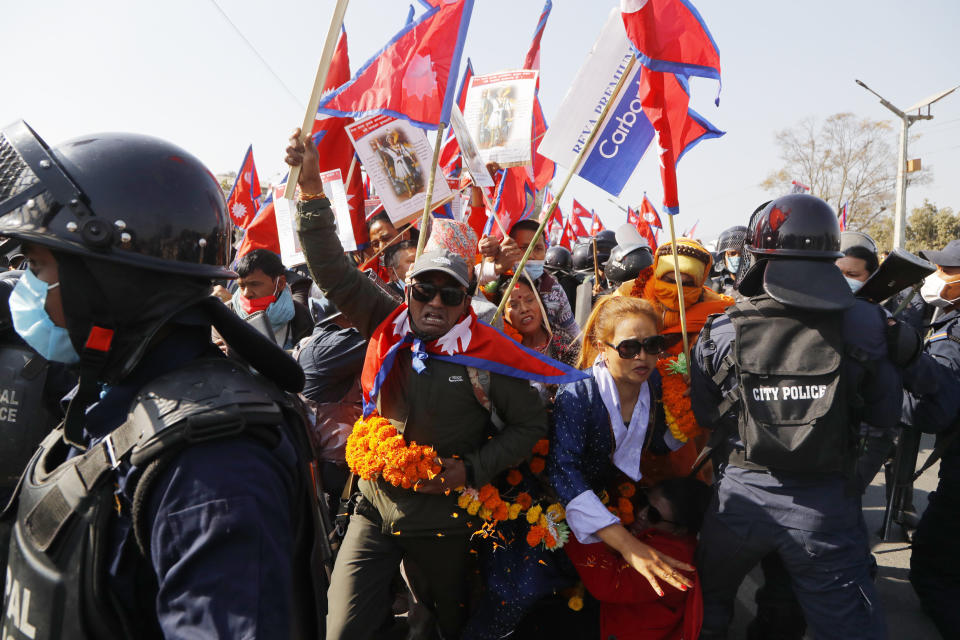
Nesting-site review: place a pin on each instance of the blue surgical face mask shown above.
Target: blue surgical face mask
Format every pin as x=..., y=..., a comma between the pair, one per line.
x=854, y=284
x=34, y=325
x=534, y=269
x=281, y=312
x=733, y=263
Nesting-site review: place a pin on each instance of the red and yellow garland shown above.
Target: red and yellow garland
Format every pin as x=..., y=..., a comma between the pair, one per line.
x=676, y=399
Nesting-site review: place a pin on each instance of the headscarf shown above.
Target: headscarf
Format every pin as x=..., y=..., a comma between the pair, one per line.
x=699, y=301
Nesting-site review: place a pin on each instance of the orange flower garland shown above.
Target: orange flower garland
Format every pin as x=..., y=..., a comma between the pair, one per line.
x=547, y=522
x=676, y=401
x=641, y=282
x=374, y=448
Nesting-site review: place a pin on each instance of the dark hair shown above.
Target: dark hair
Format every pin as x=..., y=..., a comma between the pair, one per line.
x=380, y=217
x=524, y=225
x=869, y=257
x=393, y=249
x=263, y=259
x=689, y=498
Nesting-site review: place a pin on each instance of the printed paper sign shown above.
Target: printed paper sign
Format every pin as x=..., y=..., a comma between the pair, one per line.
x=291, y=253
x=468, y=150
x=499, y=116
x=397, y=156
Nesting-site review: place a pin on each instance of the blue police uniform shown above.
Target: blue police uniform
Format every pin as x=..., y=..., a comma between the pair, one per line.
x=935, y=562
x=220, y=517
x=813, y=521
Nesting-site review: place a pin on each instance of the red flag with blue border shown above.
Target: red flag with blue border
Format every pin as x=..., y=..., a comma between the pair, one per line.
x=244, y=199
x=414, y=75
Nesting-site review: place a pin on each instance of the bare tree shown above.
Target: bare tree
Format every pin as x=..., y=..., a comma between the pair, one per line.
x=843, y=160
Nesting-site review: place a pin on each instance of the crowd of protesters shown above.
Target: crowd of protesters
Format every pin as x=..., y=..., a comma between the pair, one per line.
x=225, y=459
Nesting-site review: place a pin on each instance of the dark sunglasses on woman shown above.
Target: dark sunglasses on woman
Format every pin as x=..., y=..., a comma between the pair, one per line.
x=630, y=348
x=425, y=292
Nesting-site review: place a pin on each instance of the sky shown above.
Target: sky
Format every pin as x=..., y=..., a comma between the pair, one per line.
x=216, y=76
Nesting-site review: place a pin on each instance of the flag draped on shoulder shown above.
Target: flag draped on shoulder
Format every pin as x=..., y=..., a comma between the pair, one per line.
x=413, y=76
x=672, y=43
x=244, y=199
x=470, y=343
x=335, y=148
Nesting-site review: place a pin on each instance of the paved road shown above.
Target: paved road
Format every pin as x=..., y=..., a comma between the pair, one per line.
x=904, y=617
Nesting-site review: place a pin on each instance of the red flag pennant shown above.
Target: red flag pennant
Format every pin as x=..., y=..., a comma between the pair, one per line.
x=244, y=199
x=671, y=36
x=413, y=76
x=335, y=148
x=649, y=213
x=580, y=211
x=596, y=226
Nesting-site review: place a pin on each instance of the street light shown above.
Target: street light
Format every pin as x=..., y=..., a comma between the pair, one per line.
x=906, y=119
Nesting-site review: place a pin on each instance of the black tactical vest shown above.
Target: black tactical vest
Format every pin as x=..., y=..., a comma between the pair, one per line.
x=24, y=420
x=57, y=578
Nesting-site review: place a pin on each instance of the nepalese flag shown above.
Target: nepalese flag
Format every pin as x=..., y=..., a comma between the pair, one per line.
x=449, y=160
x=470, y=342
x=633, y=218
x=597, y=225
x=665, y=98
x=261, y=232
x=569, y=236
x=644, y=228
x=843, y=217
x=649, y=213
x=244, y=199
x=798, y=187
x=671, y=36
x=413, y=76
x=543, y=168
x=578, y=227
x=335, y=148
x=689, y=233
x=580, y=211
x=514, y=200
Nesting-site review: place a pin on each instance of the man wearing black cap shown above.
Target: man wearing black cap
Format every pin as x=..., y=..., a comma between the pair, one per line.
x=935, y=563
x=429, y=399
x=782, y=379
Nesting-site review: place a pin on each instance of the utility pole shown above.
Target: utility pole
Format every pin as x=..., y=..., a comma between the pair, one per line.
x=906, y=119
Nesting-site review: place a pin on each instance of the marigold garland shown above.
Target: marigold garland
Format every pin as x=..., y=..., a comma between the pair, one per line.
x=641, y=282
x=374, y=448
x=676, y=401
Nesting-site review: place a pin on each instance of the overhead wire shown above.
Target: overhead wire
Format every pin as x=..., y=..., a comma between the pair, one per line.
x=257, y=53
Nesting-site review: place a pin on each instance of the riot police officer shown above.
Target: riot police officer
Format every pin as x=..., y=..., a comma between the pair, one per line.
x=174, y=501
x=626, y=262
x=782, y=379
x=559, y=263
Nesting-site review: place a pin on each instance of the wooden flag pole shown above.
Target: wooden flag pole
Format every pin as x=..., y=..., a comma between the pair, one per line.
x=353, y=166
x=425, y=220
x=319, y=82
x=563, y=187
x=676, y=275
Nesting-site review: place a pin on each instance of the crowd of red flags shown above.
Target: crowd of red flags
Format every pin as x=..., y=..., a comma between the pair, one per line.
x=414, y=76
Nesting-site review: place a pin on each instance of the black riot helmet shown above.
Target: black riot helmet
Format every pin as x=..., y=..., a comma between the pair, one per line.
x=583, y=257
x=558, y=260
x=626, y=262
x=731, y=239
x=606, y=241
x=139, y=229
x=793, y=242
x=119, y=197
x=797, y=225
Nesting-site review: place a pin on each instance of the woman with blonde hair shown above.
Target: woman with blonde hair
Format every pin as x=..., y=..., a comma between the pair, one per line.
x=603, y=425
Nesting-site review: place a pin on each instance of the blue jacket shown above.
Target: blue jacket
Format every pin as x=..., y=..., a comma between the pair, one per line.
x=220, y=517
x=936, y=409
x=581, y=441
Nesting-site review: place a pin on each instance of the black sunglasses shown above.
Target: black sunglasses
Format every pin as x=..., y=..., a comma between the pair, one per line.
x=653, y=514
x=628, y=349
x=425, y=292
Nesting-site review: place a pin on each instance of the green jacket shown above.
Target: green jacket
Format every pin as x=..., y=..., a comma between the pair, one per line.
x=437, y=407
